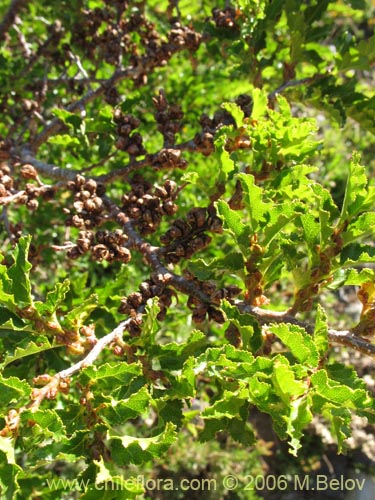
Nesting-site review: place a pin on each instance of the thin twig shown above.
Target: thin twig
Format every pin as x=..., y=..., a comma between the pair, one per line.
x=10, y=16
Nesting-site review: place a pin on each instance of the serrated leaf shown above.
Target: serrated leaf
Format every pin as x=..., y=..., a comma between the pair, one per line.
x=19, y=273
x=358, y=197
x=248, y=326
x=172, y=356
x=228, y=406
x=235, y=111
x=131, y=450
x=299, y=417
x=111, y=374
x=238, y=430
x=320, y=336
x=337, y=393
x=150, y=324
x=260, y=102
x=28, y=345
x=355, y=277
x=361, y=227
x=280, y=216
x=6, y=295
x=9, y=320
x=225, y=162
x=355, y=254
x=54, y=299
x=71, y=119
x=257, y=209
x=118, y=412
x=12, y=389
x=232, y=221
x=106, y=474
x=48, y=423
x=7, y=444
x=311, y=229
x=203, y=270
x=285, y=384
x=298, y=341
x=78, y=315
x=9, y=473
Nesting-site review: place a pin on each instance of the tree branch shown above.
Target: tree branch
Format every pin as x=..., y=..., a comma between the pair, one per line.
x=342, y=337
x=10, y=16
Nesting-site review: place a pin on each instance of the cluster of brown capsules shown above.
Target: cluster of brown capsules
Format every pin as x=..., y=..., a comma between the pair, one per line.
x=146, y=204
x=88, y=203
x=187, y=236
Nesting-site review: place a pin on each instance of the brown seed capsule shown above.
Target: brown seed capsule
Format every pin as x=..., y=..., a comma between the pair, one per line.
x=216, y=315
x=169, y=207
x=125, y=306
x=123, y=254
x=233, y=335
x=32, y=204
x=135, y=299
x=7, y=181
x=199, y=315
x=79, y=206
x=100, y=252
x=89, y=205
x=42, y=379
x=29, y=172
x=196, y=217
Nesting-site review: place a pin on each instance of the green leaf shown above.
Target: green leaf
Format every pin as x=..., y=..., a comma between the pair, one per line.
x=9, y=320
x=299, y=417
x=233, y=261
x=320, y=336
x=131, y=450
x=111, y=375
x=340, y=418
x=232, y=221
x=298, y=341
x=237, y=429
x=107, y=474
x=311, y=229
x=339, y=394
x=235, y=111
x=248, y=326
x=27, y=345
x=118, y=412
x=285, y=384
x=361, y=227
x=19, y=273
x=257, y=209
x=64, y=140
x=9, y=474
x=71, y=119
x=260, y=102
x=228, y=406
x=45, y=422
x=150, y=324
x=55, y=298
x=225, y=162
x=78, y=315
x=358, y=197
x=12, y=390
x=7, y=448
x=6, y=290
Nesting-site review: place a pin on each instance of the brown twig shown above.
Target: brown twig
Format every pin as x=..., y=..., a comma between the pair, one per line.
x=13, y=418
x=10, y=16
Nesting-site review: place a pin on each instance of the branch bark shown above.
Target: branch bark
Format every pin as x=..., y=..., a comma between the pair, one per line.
x=10, y=16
